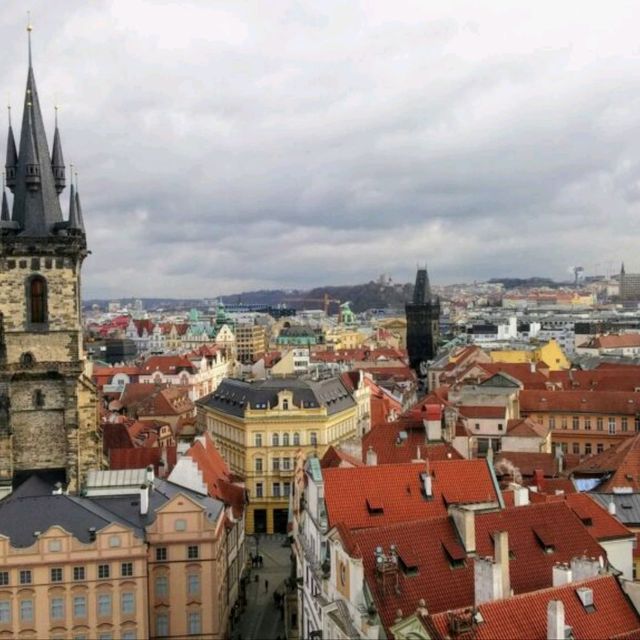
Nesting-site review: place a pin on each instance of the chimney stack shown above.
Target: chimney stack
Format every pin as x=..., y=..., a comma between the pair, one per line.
x=427, y=485
x=520, y=496
x=372, y=457
x=583, y=568
x=555, y=620
x=561, y=574
x=144, y=500
x=464, y=520
x=487, y=580
x=501, y=545
x=611, y=508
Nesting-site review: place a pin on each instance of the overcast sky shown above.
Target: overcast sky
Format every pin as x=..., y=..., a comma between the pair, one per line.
x=226, y=146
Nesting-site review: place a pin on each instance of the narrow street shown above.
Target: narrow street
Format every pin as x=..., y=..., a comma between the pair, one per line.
x=262, y=619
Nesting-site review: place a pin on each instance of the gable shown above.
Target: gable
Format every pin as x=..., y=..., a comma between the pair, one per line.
x=501, y=380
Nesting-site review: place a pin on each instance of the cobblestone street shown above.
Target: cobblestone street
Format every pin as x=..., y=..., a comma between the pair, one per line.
x=262, y=619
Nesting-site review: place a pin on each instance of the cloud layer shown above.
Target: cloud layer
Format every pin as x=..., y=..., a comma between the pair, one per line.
x=228, y=146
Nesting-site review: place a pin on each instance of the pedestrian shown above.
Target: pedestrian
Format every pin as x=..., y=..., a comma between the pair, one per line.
x=266, y=586
x=260, y=561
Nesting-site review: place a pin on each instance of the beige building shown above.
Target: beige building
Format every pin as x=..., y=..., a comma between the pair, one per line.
x=135, y=558
x=261, y=427
x=251, y=342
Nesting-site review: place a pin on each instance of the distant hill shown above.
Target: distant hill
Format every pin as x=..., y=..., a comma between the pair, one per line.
x=525, y=283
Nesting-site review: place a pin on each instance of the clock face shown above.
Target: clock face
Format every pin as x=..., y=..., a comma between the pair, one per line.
x=343, y=573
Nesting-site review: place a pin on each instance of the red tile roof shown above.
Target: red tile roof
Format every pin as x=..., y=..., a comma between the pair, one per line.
x=598, y=521
x=115, y=435
x=526, y=428
x=623, y=341
x=142, y=457
x=620, y=465
x=168, y=365
x=141, y=399
x=527, y=462
x=399, y=487
x=524, y=617
x=445, y=587
x=626, y=403
x=600, y=379
x=334, y=457
x=391, y=448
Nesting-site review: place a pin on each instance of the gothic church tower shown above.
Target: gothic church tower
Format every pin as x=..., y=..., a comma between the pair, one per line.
x=423, y=315
x=48, y=405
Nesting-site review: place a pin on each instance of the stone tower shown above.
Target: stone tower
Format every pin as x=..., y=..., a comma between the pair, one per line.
x=423, y=314
x=48, y=405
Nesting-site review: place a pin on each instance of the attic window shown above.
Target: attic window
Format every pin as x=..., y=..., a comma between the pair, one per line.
x=455, y=553
x=408, y=563
x=545, y=538
x=586, y=598
x=375, y=505
x=587, y=522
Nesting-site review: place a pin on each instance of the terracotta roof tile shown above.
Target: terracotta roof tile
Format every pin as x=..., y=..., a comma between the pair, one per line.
x=626, y=403
x=598, y=521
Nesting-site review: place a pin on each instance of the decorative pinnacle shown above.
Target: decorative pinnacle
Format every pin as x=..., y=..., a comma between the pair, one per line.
x=29, y=30
x=9, y=111
x=55, y=108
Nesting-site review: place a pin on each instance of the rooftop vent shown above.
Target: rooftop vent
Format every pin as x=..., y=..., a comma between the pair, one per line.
x=586, y=597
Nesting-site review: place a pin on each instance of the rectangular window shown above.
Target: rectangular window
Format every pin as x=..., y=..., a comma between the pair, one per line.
x=552, y=422
x=275, y=464
x=257, y=439
x=624, y=423
x=162, y=624
x=276, y=489
x=193, y=584
x=587, y=449
x=477, y=426
x=313, y=438
x=57, y=608
x=600, y=424
x=259, y=490
x=129, y=634
x=5, y=611
x=79, y=607
x=286, y=464
x=26, y=610
x=565, y=447
x=126, y=569
x=600, y=447
x=104, y=605
x=575, y=423
x=127, y=603
x=193, y=552
x=500, y=426
x=612, y=425
x=4, y=578
x=194, y=626
x=78, y=573
x=563, y=422
x=161, y=553
x=259, y=465
x=587, y=423
x=287, y=489
x=56, y=574
x=576, y=448
x=25, y=576
x=162, y=586
x=103, y=571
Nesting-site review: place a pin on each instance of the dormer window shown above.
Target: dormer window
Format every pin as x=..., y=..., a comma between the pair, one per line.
x=285, y=405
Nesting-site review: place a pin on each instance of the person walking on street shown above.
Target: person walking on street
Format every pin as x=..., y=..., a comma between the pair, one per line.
x=266, y=586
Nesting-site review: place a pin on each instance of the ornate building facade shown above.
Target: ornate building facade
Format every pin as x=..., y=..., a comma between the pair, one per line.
x=423, y=315
x=48, y=405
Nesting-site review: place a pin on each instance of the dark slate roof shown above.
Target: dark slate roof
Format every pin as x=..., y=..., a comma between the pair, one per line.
x=234, y=396
x=627, y=506
x=32, y=507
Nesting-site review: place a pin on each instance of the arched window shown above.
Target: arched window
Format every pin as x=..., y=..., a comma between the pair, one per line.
x=37, y=300
x=296, y=439
x=275, y=440
x=285, y=439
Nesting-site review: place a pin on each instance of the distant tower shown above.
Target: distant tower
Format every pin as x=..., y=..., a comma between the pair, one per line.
x=423, y=315
x=48, y=405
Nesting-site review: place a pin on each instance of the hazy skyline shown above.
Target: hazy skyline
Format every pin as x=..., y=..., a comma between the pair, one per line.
x=223, y=147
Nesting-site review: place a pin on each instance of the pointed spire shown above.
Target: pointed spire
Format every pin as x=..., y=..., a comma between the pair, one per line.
x=31, y=164
x=11, y=163
x=4, y=211
x=622, y=269
x=57, y=160
x=79, y=207
x=422, y=289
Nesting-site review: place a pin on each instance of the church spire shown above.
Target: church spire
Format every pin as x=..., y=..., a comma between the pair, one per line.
x=422, y=288
x=11, y=163
x=36, y=208
x=57, y=160
x=79, y=207
x=4, y=211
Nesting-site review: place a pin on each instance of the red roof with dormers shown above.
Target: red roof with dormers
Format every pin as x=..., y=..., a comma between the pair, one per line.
x=527, y=462
x=600, y=379
x=216, y=474
x=607, y=403
x=524, y=617
x=167, y=365
x=433, y=545
x=398, y=488
x=598, y=521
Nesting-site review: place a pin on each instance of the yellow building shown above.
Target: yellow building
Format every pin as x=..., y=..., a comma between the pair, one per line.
x=550, y=354
x=260, y=427
x=251, y=342
x=397, y=327
x=341, y=338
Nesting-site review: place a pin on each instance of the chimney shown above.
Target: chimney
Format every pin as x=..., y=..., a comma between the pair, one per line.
x=372, y=457
x=611, y=508
x=433, y=422
x=520, y=496
x=501, y=546
x=532, y=367
x=583, y=568
x=144, y=500
x=427, y=485
x=150, y=475
x=538, y=478
x=560, y=458
x=561, y=574
x=555, y=620
x=464, y=520
x=487, y=580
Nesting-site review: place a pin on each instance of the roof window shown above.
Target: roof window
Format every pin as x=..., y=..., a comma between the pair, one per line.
x=586, y=598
